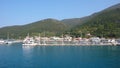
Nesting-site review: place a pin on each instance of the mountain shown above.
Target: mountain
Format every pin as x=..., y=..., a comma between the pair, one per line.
x=117, y=6
x=105, y=23
x=79, y=21
x=75, y=21
x=49, y=26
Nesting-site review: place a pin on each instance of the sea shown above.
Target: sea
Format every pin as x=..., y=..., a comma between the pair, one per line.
x=19, y=56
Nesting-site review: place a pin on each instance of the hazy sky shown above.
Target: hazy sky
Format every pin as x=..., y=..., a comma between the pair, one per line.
x=20, y=12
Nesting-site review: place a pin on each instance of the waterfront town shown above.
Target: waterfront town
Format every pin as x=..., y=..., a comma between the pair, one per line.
x=66, y=40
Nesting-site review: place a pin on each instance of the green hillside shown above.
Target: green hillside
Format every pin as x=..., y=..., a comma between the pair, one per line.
x=75, y=21
x=48, y=26
x=104, y=24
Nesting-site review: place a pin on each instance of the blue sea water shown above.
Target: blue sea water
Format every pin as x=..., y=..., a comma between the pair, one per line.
x=18, y=56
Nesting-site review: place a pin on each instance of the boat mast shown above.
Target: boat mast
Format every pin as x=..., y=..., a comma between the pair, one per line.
x=39, y=39
x=44, y=39
x=62, y=40
x=8, y=36
x=28, y=35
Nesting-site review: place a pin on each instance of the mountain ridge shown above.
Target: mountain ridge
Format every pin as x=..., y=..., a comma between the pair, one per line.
x=104, y=24
x=55, y=27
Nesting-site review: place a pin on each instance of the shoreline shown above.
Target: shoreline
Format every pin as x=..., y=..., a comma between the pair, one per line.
x=72, y=45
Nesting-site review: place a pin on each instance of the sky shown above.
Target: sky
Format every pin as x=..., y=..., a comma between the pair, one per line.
x=21, y=12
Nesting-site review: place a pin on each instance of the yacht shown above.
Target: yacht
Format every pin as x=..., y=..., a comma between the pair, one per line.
x=9, y=41
x=29, y=41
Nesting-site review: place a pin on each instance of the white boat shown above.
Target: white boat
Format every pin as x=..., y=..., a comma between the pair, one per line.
x=5, y=42
x=118, y=42
x=29, y=41
x=2, y=41
x=9, y=41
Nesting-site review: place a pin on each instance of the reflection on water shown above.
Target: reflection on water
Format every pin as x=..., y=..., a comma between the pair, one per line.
x=27, y=51
x=30, y=51
x=27, y=47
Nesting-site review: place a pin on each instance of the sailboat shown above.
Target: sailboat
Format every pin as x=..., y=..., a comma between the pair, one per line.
x=8, y=41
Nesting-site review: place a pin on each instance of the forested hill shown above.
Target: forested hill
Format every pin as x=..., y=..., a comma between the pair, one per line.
x=75, y=21
x=105, y=23
x=48, y=26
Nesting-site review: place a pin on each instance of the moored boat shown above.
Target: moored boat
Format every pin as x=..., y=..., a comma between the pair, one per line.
x=2, y=41
x=29, y=41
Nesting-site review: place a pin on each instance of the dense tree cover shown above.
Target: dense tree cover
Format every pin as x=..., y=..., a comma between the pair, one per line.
x=104, y=24
x=50, y=27
x=75, y=21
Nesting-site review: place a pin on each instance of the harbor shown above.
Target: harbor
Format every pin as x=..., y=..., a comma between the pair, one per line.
x=61, y=41
x=67, y=40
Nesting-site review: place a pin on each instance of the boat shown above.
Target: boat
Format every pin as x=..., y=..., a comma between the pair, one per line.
x=118, y=42
x=8, y=40
x=29, y=41
x=2, y=41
